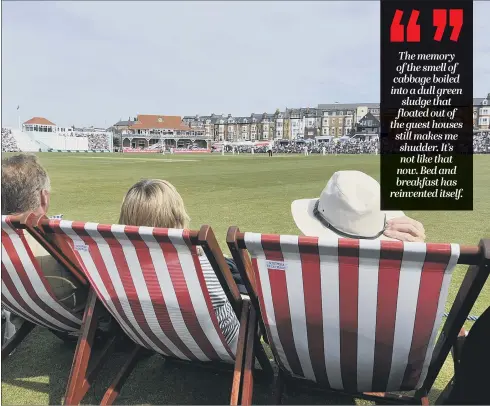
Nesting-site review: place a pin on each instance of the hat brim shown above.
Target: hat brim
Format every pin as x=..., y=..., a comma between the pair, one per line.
x=302, y=211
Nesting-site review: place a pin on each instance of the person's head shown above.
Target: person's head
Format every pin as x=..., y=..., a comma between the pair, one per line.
x=348, y=207
x=25, y=185
x=154, y=203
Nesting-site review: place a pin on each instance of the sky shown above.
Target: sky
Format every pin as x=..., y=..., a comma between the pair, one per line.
x=94, y=63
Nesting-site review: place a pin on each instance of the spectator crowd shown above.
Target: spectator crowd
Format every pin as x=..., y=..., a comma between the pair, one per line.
x=9, y=144
x=98, y=141
x=347, y=147
x=481, y=143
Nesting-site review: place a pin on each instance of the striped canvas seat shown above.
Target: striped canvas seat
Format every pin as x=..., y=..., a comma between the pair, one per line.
x=352, y=315
x=152, y=282
x=25, y=290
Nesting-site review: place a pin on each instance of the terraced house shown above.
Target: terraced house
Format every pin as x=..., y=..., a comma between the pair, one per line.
x=338, y=122
x=279, y=118
x=481, y=106
x=244, y=125
x=337, y=119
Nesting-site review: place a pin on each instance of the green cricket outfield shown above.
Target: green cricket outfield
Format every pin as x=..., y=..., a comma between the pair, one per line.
x=253, y=192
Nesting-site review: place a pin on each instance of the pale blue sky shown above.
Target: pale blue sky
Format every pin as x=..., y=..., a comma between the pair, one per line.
x=92, y=63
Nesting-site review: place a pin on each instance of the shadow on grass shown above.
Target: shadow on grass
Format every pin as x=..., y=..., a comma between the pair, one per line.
x=37, y=373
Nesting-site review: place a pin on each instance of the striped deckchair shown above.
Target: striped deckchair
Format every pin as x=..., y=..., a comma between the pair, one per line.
x=358, y=317
x=25, y=290
x=152, y=282
x=27, y=293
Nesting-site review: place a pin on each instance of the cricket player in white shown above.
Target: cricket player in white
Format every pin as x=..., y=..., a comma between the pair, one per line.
x=324, y=150
x=306, y=150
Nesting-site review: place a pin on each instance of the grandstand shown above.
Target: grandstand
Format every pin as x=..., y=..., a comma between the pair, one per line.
x=39, y=134
x=152, y=132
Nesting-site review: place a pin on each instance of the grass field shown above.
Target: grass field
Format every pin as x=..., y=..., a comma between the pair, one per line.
x=252, y=192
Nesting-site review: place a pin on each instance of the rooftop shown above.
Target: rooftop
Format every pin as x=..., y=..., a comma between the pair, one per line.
x=151, y=121
x=346, y=105
x=39, y=121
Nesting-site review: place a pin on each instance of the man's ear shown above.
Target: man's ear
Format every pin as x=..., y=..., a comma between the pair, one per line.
x=44, y=201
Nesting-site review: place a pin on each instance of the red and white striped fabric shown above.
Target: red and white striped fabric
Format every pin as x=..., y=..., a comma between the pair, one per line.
x=25, y=290
x=353, y=315
x=151, y=281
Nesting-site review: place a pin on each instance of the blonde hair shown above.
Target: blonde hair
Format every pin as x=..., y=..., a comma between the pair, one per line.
x=154, y=203
x=23, y=177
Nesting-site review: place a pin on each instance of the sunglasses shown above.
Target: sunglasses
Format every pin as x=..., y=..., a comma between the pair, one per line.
x=321, y=218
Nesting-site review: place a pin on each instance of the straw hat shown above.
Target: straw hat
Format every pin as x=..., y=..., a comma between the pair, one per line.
x=348, y=207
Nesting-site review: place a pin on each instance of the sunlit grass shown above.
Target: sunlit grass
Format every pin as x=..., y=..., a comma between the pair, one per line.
x=253, y=192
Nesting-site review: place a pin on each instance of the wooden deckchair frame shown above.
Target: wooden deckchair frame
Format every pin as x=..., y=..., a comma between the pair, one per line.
x=206, y=239
x=81, y=376
x=478, y=259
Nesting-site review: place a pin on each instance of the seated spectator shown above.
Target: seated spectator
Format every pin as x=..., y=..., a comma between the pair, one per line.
x=349, y=207
x=156, y=203
x=26, y=188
